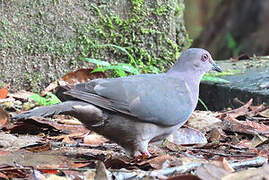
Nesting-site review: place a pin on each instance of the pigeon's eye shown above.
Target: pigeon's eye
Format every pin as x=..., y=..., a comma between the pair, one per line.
x=204, y=57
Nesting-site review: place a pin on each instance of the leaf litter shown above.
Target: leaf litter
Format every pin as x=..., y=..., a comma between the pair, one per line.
x=212, y=145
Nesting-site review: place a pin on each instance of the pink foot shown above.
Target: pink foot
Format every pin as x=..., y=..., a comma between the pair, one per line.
x=143, y=156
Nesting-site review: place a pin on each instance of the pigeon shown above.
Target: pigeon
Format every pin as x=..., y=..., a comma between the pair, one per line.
x=136, y=110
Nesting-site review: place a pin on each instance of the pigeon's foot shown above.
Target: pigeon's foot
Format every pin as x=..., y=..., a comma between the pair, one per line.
x=142, y=156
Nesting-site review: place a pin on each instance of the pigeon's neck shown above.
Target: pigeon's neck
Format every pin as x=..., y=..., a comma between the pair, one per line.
x=192, y=79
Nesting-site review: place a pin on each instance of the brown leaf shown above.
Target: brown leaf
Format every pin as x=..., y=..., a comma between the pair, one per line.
x=233, y=125
x=174, y=147
x=76, y=135
x=210, y=172
x=239, y=111
x=217, y=134
x=101, y=172
x=21, y=95
x=244, y=56
x=265, y=113
x=203, y=120
x=94, y=139
x=78, y=164
x=4, y=92
x=3, y=118
x=250, y=174
x=3, y=176
x=35, y=125
x=184, y=177
x=227, y=166
x=187, y=136
x=159, y=162
x=72, y=78
x=12, y=172
x=38, y=147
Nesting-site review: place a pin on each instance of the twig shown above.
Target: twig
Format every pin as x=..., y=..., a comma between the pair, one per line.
x=255, y=162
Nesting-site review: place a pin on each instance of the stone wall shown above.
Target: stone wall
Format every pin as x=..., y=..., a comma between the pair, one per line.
x=40, y=40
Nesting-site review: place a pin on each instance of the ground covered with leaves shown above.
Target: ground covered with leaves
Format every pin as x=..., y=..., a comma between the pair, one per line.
x=231, y=144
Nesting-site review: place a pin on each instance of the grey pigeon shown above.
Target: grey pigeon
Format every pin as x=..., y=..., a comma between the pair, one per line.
x=136, y=110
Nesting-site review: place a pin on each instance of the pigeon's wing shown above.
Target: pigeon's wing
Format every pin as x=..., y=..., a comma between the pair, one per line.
x=152, y=98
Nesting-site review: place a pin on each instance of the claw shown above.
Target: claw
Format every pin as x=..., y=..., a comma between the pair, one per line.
x=143, y=156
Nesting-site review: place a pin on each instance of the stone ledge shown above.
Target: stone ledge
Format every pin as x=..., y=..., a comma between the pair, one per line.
x=251, y=80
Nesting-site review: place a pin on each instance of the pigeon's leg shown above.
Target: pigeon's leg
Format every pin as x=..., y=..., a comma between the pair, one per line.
x=141, y=151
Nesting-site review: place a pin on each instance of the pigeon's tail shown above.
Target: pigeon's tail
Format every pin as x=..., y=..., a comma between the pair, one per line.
x=47, y=111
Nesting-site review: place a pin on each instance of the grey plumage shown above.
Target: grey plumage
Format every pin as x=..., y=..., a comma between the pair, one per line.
x=136, y=110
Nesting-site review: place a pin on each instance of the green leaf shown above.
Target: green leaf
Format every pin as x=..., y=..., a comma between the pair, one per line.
x=120, y=48
x=123, y=67
x=214, y=79
x=95, y=61
x=230, y=41
x=203, y=104
x=49, y=99
x=120, y=73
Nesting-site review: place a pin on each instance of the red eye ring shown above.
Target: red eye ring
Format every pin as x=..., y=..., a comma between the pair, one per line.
x=204, y=57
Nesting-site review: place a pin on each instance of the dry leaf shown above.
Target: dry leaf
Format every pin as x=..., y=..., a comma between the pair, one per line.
x=4, y=92
x=72, y=78
x=210, y=172
x=187, y=136
x=94, y=139
x=204, y=120
x=243, y=110
x=265, y=113
x=250, y=174
x=3, y=118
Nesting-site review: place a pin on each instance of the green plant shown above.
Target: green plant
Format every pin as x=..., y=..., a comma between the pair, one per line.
x=49, y=99
x=214, y=79
x=120, y=69
x=203, y=104
x=231, y=43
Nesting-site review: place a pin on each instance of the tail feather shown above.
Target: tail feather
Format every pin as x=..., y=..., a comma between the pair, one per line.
x=48, y=111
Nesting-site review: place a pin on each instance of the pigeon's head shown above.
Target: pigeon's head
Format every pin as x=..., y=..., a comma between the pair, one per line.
x=196, y=60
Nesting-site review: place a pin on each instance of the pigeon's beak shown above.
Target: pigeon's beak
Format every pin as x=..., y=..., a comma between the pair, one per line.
x=216, y=67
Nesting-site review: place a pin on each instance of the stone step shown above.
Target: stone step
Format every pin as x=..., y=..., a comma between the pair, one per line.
x=250, y=79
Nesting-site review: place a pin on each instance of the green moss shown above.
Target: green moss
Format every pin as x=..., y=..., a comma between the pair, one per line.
x=224, y=73
x=50, y=33
x=129, y=32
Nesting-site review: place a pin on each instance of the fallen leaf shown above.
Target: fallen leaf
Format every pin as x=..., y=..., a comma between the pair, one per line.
x=37, y=147
x=101, y=172
x=210, y=172
x=72, y=135
x=185, y=136
x=12, y=172
x=217, y=134
x=265, y=113
x=184, y=177
x=78, y=164
x=204, y=120
x=72, y=78
x=244, y=56
x=243, y=110
x=3, y=176
x=94, y=139
x=174, y=147
x=35, y=125
x=227, y=166
x=4, y=92
x=249, y=174
x=68, y=140
x=11, y=142
x=3, y=118
x=233, y=125
x=162, y=161
x=21, y=95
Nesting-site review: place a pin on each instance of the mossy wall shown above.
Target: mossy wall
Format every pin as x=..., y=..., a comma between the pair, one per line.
x=40, y=39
